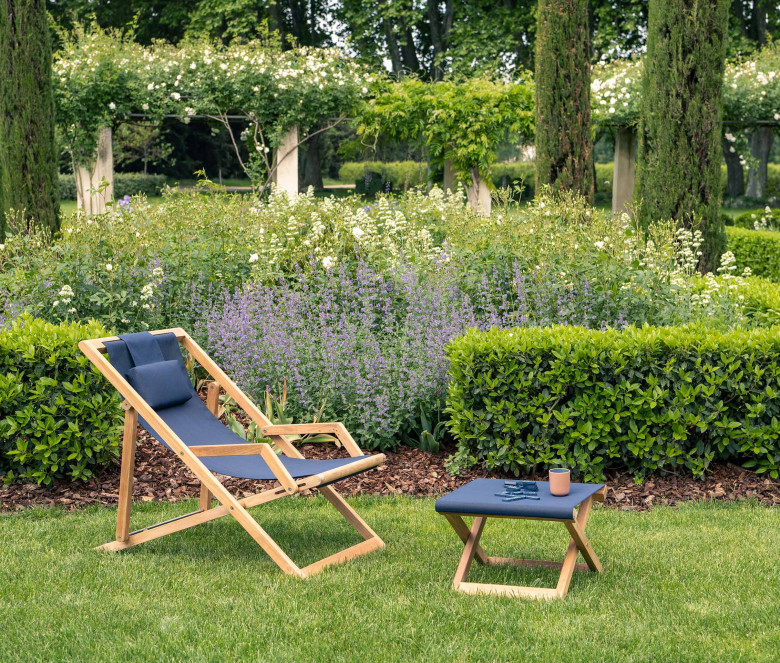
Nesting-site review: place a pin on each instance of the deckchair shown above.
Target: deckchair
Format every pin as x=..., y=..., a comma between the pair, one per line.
x=148, y=370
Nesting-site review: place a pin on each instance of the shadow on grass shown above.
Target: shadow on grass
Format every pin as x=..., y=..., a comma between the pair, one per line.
x=308, y=530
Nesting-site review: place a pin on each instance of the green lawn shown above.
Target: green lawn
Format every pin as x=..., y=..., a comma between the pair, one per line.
x=697, y=583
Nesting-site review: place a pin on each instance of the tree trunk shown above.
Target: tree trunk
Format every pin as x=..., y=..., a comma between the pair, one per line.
x=760, y=148
x=393, y=49
x=312, y=164
x=28, y=149
x=564, y=150
x=735, y=179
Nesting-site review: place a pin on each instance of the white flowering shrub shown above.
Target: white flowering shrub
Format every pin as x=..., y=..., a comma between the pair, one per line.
x=751, y=90
x=100, y=78
x=616, y=89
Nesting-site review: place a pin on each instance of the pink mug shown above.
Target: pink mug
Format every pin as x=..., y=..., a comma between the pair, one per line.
x=560, y=481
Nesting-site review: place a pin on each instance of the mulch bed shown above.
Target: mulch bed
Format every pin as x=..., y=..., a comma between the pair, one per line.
x=160, y=476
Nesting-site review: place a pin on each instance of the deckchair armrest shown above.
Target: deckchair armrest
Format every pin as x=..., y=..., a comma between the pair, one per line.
x=250, y=449
x=333, y=428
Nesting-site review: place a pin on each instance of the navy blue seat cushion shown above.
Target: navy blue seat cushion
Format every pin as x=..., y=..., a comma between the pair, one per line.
x=479, y=498
x=162, y=384
x=194, y=423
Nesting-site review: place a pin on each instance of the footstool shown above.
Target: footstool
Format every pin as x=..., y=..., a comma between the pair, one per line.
x=492, y=498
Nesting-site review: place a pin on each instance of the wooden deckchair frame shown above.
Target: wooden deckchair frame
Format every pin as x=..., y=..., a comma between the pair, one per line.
x=578, y=544
x=210, y=486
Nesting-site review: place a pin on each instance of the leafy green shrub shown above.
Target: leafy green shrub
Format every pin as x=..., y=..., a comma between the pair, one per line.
x=505, y=174
x=57, y=418
x=761, y=302
x=403, y=174
x=125, y=184
x=644, y=399
x=757, y=249
x=371, y=183
x=760, y=219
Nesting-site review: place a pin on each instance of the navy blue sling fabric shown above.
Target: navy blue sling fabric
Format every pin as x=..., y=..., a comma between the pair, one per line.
x=192, y=421
x=479, y=498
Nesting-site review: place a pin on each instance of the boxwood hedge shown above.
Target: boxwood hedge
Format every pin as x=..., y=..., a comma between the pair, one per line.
x=645, y=400
x=57, y=417
x=757, y=249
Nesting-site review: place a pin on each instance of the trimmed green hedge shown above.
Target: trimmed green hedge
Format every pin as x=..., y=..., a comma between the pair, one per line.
x=757, y=249
x=644, y=399
x=58, y=419
x=125, y=184
x=762, y=301
x=748, y=219
x=412, y=173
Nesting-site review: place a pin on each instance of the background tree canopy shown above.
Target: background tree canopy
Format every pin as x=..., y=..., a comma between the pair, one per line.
x=430, y=38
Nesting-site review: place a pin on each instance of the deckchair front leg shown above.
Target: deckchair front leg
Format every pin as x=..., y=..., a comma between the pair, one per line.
x=129, y=436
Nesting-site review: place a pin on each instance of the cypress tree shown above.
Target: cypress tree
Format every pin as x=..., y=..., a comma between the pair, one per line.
x=678, y=166
x=564, y=152
x=28, y=151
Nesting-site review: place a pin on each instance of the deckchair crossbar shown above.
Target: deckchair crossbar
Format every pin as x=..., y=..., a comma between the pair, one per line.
x=166, y=522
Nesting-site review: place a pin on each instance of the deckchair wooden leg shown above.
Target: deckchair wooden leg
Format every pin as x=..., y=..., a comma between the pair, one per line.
x=205, y=498
x=349, y=513
x=126, y=474
x=212, y=403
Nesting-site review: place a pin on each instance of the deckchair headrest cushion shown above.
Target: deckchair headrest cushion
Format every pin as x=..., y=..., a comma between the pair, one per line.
x=161, y=384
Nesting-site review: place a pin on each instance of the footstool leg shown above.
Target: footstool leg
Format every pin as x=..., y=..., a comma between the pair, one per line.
x=463, y=531
x=472, y=543
x=579, y=542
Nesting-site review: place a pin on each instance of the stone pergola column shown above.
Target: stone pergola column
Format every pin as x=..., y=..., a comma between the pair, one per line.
x=449, y=177
x=478, y=194
x=90, y=199
x=286, y=175
x=624, y=170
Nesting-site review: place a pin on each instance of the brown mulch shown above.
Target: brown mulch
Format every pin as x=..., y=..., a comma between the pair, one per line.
x=408, y=471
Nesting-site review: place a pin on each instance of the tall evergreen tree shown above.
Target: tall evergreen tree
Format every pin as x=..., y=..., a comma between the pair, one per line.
x=28, y=151
x=564, y=151
x=678, y=170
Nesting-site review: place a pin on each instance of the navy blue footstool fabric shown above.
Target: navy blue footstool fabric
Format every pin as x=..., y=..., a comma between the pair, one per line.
x=479, y=498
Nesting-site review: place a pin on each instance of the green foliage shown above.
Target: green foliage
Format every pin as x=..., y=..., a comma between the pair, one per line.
x=459, y=122
x=403, y=174
x=751, y=91
x=757, y=249
x=57, y=419
x=28, y=152
x=371, y=183
x=678, y=166
x=564, y=151
x=103, y=77
x=644, y=399
x=125, y=184
x=761, y=302
x=765, y=219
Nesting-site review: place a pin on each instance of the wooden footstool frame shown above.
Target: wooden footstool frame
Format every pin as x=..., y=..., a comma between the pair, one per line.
x=578, y=543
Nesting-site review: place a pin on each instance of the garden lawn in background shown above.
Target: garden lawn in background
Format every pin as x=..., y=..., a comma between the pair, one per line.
x=696, y=583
